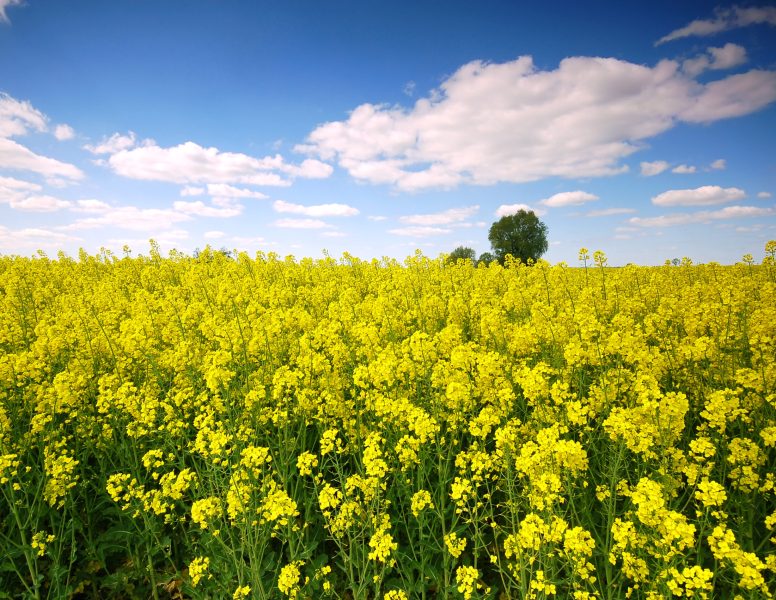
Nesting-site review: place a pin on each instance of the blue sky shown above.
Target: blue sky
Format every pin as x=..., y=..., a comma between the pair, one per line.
x=645, y=130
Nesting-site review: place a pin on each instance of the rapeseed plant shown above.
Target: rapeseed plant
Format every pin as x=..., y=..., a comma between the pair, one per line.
x=270, y=428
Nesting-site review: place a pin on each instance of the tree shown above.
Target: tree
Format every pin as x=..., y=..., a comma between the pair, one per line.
x=522, y=235
x=486, y=258
x=461, y=252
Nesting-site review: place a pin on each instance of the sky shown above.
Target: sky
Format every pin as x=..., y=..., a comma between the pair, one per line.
x=645, y=130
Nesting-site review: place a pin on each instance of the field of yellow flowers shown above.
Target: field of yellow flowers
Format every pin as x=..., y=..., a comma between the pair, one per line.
x=259, y=427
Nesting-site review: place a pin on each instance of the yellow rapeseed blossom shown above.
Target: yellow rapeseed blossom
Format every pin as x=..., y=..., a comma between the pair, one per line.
x=582, y=431
x=198, y=568
x=205, y=511
x=455, y=545
x=467, y=581
x=421, y=500
x=288, y=580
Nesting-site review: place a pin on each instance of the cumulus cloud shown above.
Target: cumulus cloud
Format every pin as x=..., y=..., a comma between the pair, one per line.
x=683, y=169
x=334, y=234
x=90, y=206
x=17, y=118
x=33, y=238
x=301, y=224
x=729, y=212
x=764, y=195
x=511, y=209
x=706, y=195
x=724, y=20
x=718, y=165
x=131, y=218
x=213, y=235
x=568, y=199
x=223, y=190
x=190, y=163
x=64, y=132
x=315, y=210
x=15, y=156
x=377, y=218
x=728, y=56
x=192, y=190
x=648, y=169
x=200, y=209
x=608, y=212
x=4, y=5
x=10, y=185
x=113, y=144
x=512, y=122
x=419, y=231
x=732, y=97
x=452, y=216
x=39, y=203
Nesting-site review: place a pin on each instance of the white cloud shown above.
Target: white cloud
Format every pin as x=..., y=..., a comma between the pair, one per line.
x=726, y=57
x=419, y=231
x=9, y=183
x=91, y=206
x=301, y=224
x=64, y=132
x=377, y=218
x=214, y=235
x=113, y=144
x=4, y=5
x=33, y=238
x=19, y=118
x=225, y=209
x=131, y=218
x=223, y=190
x=568, y=199
x=315, y=210
x=446, y=217
x=510, y=209
x=191, y=163
x=648, y=169
x=729, y=212
x=512, y=122
x=732, y=97
x=608, y=212
x=725, y=20
x=16, y=156
x=39, y=203
x=764, y=194
x=706, y=195
x=334, y=234
x=719, y=164
x=191, y=190
x=683, y=169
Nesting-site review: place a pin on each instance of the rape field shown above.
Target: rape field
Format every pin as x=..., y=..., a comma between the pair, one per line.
x=260, y=427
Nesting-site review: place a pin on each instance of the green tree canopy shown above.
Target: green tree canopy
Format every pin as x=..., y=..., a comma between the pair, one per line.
x=462, y=252
x=486, y=258
x=522, y=235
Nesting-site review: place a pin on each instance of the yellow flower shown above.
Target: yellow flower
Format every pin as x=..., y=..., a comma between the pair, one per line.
x=467, y=581
x=455, y=545
x=306, y=462
x=198, y=568
x=381, y=542
x=420, y=501
x=288, y=580
x=205, y=511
